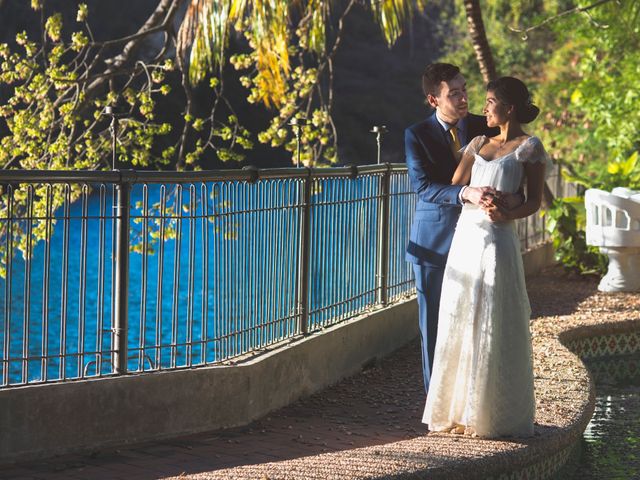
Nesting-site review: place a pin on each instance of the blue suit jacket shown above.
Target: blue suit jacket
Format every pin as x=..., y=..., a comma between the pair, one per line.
x=431, y=165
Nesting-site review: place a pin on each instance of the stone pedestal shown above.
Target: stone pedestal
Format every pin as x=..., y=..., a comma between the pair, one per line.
x=623, y=273
x=613, y=224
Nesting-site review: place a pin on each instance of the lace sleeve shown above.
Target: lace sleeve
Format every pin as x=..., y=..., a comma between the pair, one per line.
x=474, y=145
x=532, y=151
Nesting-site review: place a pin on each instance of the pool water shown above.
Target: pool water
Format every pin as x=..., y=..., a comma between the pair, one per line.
x=611, y=442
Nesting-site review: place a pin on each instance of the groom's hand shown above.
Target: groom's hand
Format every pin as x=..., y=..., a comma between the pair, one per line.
x=481, y=196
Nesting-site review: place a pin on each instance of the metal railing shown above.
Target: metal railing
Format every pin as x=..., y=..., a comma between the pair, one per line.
x=107, y=273
x=114, y=272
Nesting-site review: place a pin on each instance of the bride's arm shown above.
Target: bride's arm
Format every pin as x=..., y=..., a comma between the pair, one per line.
x=534, y=173
x=481, y=196
x=462, y=174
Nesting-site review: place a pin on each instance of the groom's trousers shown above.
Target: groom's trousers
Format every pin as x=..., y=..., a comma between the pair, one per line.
x=428, y=289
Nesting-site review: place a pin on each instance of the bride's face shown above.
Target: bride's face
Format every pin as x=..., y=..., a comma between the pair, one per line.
x=497, y=112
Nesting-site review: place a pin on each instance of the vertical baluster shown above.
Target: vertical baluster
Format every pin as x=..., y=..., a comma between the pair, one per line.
x=383, y=238
x=363, y=268
x=291, y=255
x=358, y=266
x=144, y=269
x=217, y=285
x=64, y=282
x=261, y=216
x=27, y=285
x=204, y=331
x=46, y=268
x=341, y=258
x=100, y=304
x=176, y=277
x=114, y=245
x=278, y=309
x=259, y=295
x=326, y=249
x=333, y=238
x=264, y=262
x=226, y=318
x=373, y=217
x=161, y=241
x=230, y=272
x=6, y=348
x=313, y=256
x=191, y=273
x=250, y=247
x=348, y=205
x=353, y=207
x=82, y=293
x=235, y=266
x=242, y=272
x=247, y=285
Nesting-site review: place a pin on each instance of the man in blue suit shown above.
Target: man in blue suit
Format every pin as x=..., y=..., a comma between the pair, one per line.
x=430, y=148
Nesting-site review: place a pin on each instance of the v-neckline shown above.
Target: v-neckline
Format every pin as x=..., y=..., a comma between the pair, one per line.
x=497, y=159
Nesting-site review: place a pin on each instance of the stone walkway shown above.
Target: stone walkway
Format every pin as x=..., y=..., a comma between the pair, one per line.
x=367, y=426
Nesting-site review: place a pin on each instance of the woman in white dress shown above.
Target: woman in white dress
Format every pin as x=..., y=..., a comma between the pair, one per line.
x=482, y=379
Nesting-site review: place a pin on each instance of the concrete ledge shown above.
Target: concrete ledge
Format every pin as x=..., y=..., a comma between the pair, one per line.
x=45, y=420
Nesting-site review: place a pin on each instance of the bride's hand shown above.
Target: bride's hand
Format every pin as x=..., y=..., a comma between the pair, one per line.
x=497, y=213
x=511, y=200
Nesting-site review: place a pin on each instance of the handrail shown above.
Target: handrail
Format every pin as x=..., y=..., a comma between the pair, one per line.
x=146, y=176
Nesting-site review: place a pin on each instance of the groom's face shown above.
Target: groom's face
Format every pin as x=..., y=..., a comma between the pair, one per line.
x=451, y=102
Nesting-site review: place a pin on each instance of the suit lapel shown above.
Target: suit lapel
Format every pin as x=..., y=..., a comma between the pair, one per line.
x=437, y=141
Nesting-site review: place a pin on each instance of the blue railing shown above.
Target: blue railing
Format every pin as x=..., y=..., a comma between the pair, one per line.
x=105, y=273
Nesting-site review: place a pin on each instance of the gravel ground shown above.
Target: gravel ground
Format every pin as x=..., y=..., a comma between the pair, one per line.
x=565, y=400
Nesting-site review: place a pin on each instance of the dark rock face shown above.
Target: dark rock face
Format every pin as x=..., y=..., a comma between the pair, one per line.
x=375, y=85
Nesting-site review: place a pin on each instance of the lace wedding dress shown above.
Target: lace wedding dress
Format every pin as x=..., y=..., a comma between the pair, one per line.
x=483, y=373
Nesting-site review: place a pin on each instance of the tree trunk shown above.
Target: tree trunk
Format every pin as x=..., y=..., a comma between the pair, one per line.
x=479, y=40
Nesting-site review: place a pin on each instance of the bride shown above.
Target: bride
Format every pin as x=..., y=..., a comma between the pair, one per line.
x=482, y=379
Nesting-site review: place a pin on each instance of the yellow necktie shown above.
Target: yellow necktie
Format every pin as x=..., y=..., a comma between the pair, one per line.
x=455, y=141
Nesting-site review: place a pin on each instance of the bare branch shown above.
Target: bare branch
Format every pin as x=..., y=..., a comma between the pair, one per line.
x=159, y=20
x=571, y=11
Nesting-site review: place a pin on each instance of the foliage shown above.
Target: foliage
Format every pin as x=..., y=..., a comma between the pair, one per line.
x=583, y=70
x=566, y=224
x=591, y=95
x=288, y=67
x=56, y=85
x=515, y=54
x=566, y=219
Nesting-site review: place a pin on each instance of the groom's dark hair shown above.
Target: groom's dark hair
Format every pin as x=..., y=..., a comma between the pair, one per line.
x=436, y=73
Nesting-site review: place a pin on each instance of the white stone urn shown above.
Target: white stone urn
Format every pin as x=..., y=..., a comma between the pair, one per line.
x=613, y=224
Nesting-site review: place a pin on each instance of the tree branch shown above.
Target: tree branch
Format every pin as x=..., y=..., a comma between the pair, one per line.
x=558, y=16
x=159, y=20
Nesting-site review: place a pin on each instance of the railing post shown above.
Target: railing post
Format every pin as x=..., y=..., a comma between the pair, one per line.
x=383, y=237
x=121, y=291
x=302, y=299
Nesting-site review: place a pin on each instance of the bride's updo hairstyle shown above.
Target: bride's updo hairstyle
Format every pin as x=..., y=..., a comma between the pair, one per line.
x=511, y=91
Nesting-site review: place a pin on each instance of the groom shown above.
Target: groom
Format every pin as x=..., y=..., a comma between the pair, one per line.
x=431, y=162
